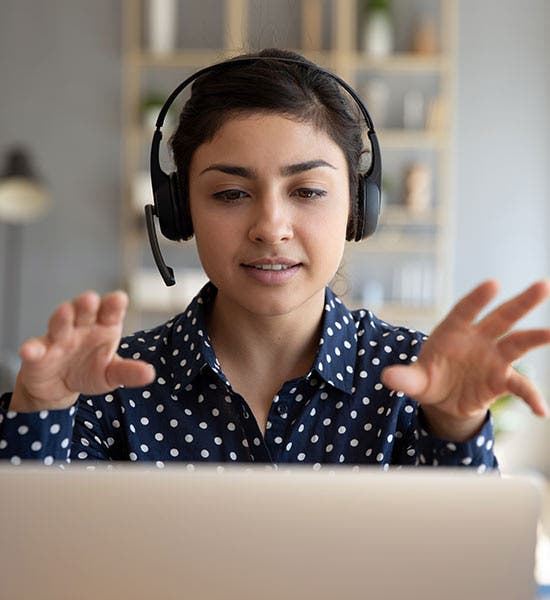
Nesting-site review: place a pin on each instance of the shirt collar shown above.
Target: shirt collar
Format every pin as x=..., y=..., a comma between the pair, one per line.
x=335, y=361
x=192, y=346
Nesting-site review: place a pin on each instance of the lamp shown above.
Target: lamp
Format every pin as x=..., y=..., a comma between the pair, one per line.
x=23, y=199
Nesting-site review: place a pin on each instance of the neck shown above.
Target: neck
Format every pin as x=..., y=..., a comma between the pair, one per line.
x=249, y=343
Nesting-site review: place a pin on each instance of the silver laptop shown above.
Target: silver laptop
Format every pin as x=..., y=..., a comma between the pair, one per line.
x=292, y=533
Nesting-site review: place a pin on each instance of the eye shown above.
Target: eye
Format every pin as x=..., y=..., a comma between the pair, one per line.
x=229, y=195
x=309, y=193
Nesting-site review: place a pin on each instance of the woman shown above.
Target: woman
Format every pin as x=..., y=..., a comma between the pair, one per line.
x=267, y=364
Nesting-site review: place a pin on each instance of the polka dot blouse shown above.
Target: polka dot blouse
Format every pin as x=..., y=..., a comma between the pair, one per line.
x=339, y=412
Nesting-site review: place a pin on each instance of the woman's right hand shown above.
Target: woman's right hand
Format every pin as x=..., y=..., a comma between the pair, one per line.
x=77, y=356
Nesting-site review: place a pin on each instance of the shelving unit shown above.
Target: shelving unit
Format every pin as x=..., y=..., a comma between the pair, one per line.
x=329, y=34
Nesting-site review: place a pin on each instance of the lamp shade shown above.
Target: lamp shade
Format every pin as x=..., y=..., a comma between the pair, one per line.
x=23, y=197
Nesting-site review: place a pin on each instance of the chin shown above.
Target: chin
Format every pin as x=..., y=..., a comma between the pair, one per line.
x=276, y=302
x=266, y=304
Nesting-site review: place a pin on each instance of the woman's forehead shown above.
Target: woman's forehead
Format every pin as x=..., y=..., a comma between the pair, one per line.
x=252, y=136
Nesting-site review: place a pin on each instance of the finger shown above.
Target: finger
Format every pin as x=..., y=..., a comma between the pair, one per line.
x=517, y=343
x=113, y=308
x=32, y=350
x=86, y=307
x=412, y=380
x=60, y=325
x=129, y=372
x=468, y=308
x=500, y=320
x=520, y=386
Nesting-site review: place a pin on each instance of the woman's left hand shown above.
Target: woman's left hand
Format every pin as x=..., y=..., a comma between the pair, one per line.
x=465, y=365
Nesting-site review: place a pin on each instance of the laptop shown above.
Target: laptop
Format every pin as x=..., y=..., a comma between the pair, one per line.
x=216, y=532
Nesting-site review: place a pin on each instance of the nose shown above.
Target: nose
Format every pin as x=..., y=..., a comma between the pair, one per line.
x=271, y=221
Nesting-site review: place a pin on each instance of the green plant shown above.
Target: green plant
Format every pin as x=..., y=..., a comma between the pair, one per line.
x=376, y=5
x=152, y=100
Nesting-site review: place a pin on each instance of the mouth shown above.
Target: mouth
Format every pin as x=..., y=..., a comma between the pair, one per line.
x=272, y=264
x=272, y=271
x=275, y=267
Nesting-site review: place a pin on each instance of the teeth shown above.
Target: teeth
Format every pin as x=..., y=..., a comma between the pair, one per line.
x=272, y=267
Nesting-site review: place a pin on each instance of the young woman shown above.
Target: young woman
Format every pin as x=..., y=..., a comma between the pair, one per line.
x=267, y=364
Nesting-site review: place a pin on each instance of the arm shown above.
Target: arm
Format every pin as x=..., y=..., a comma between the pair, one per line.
x=418, y=446
x=76, y=355
x=465, y=365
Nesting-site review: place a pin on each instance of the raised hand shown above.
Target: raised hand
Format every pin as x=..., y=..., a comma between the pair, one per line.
x=465, y=365
x=77, y=355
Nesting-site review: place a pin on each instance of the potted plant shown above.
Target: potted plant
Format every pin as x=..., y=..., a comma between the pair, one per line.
x=378, y=33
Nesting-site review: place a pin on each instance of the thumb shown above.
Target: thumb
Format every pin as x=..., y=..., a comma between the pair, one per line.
x=129, y=372
x=412, y=380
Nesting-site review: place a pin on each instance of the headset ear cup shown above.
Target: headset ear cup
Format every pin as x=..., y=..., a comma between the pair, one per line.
x=162, y=189
x=368, y=208
x=182, y=213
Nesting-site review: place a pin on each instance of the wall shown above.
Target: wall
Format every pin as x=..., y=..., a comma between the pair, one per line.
x=503, y=151
x=60, y=95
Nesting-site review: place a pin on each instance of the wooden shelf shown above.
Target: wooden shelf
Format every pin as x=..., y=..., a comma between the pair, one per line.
x=190, y=58
x=412, y=138
x=399, y=62
x=401, y=216
x=383, y=243
x=403, y=63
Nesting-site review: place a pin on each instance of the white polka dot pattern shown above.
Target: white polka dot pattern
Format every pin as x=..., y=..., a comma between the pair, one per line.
x=338, y=413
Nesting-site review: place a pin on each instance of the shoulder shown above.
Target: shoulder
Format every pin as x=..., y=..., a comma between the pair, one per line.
x=368, y=323
x=376, y=338
x=389, y=343
x=366, y=320
x=183, y=330
x=149, y=341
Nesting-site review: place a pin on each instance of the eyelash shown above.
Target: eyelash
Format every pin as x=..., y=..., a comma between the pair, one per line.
x=302, y=193
x=310, y=193
x=223, y=196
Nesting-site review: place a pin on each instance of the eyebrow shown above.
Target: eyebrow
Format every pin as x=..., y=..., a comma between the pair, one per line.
x=285, y=171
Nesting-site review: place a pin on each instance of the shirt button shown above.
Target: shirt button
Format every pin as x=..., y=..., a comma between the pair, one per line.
x=282, y=408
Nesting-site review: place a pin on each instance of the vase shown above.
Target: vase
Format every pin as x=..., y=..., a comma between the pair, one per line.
x=162, y=26
x=378, y=35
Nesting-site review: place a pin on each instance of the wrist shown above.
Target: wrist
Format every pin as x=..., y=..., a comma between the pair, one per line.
x=450, y=428
x=21, y=401
x=24, y=402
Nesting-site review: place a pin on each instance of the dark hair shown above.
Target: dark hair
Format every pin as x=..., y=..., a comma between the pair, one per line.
x=300, y=91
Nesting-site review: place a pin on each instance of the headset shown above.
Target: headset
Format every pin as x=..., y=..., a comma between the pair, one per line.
x=171, y=203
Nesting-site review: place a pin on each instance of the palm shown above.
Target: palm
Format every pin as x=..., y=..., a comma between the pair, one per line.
x=465, y=365
x=466, y=369
x=78, y=354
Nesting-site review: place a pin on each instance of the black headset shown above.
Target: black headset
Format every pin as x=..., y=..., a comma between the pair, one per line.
x=172, y=203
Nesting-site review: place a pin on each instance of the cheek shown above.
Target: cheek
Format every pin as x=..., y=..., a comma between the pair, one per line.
x=327, y=236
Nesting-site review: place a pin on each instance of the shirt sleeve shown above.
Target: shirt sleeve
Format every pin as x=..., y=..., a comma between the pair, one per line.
x=419, y=447
x=52, y=436
x=44, y=436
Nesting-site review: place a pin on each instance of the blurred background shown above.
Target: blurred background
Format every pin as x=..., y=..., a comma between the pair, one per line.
x=459, y=92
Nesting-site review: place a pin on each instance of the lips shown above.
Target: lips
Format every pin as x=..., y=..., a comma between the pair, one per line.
x=272, y=264
x=278, y=267
x=272, y=270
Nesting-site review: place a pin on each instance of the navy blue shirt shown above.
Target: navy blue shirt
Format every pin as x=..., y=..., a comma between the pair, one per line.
x=339, y=412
